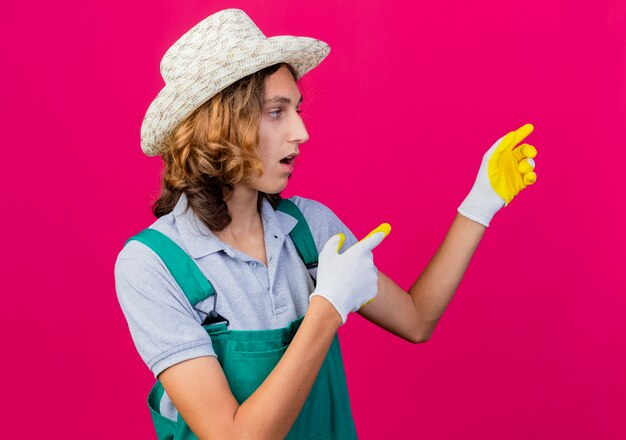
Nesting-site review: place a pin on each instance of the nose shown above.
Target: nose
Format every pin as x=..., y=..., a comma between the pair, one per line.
x=299, y=133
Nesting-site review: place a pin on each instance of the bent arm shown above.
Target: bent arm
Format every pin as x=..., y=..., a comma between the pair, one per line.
x=413, y=316
x=199, y=390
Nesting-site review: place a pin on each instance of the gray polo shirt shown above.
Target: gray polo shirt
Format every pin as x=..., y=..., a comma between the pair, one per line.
x=166, y=328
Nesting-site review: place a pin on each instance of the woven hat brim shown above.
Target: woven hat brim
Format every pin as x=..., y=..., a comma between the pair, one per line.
x=180, y=97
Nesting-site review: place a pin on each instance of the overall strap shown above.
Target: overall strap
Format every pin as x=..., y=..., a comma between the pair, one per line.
x=301, y=234
x=186, y=273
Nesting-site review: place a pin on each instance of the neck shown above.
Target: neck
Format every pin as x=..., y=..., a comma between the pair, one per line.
x=243, y=209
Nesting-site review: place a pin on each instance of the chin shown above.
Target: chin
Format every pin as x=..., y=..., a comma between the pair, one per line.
x=274, y=189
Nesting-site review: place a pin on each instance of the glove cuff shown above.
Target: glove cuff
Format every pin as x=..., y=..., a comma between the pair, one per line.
x=342, y=314
x=481, y=204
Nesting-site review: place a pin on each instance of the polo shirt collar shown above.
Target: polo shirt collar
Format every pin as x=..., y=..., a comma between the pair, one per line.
x=200, y=241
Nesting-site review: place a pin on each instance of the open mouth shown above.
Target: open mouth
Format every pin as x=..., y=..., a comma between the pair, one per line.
x=288, y=160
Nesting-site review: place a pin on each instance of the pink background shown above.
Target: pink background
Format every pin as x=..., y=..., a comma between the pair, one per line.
x=533, y=345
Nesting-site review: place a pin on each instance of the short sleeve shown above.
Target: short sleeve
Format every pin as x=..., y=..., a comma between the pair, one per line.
x=323, y=222
x=165, y=328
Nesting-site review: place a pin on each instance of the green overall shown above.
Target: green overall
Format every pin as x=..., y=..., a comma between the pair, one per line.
x=249, y=356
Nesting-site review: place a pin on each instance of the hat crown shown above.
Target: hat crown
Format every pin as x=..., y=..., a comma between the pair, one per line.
x=211, y=39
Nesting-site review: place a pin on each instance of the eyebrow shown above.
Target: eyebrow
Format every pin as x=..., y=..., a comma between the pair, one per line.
x=280, y=99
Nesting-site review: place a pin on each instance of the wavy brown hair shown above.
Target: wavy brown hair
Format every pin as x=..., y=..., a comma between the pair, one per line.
x=214, y=148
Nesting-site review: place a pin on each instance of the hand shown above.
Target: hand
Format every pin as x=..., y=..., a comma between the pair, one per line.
x=349, y=280
x=504, y=172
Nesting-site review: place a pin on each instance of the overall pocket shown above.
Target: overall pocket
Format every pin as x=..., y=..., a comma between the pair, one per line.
x=164, y=427
x=251, y=368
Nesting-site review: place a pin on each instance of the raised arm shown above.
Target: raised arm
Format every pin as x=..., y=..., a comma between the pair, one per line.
x=505, y=170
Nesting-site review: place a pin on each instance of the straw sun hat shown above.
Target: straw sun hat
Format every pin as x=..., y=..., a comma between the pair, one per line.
x=218, y=51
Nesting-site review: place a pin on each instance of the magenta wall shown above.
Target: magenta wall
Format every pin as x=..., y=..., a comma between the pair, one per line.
x=534, y=343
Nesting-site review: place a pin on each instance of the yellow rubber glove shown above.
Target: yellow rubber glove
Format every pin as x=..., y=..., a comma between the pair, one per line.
x=504, y=172
x=350, y=279
x=511, y=170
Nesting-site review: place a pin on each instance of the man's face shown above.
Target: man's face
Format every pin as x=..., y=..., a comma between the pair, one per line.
x=281, y=131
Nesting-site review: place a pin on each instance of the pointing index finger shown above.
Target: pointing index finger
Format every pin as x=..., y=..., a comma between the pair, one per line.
x=384, y=228
x=522, y=133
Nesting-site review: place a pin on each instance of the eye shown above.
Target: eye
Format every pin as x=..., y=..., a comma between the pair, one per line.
x=275, y=113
